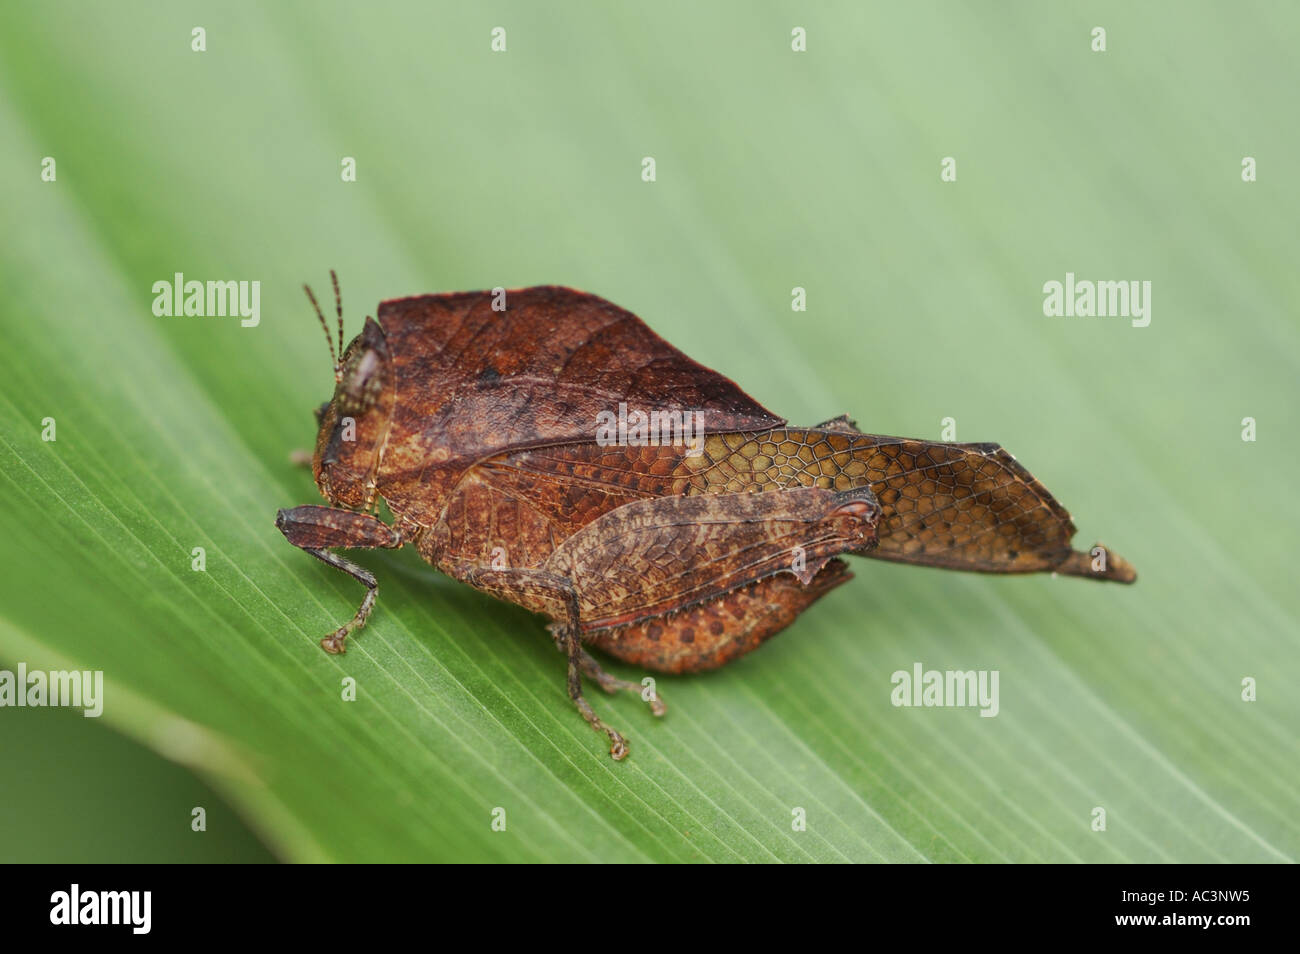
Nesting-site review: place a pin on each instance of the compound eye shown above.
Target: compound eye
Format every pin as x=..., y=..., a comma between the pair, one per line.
x=320, y=413
x=363, y=381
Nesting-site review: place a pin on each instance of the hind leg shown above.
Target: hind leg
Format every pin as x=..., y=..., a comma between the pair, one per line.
x=612, y=684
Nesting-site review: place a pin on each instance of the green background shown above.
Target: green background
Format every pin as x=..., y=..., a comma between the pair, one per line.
x=775, y=169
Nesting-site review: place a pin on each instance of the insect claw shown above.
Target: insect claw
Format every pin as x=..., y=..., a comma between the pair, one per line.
x=336, y=642
x=617, y=751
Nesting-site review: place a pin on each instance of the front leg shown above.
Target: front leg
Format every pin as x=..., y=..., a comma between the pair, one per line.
x=317, y=529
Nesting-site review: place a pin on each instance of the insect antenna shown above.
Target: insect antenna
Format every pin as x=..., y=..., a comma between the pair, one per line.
x=329, y=339
x=338, y=307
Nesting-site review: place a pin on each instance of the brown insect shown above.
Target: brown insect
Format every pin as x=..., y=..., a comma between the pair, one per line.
x=479, y=426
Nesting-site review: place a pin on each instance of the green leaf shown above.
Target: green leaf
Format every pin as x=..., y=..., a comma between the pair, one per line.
x=775, y=169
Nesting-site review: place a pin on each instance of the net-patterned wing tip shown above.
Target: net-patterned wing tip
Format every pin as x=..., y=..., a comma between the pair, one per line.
x=974, y=507
x=1099, y=563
